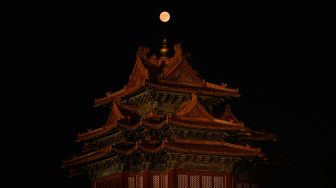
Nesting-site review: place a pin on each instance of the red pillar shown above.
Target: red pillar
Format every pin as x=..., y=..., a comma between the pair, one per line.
x=117, y=180
x=172, y=178
x=233, y=182
x=145, y=179
x=229, y=181
x=93, y=184
x=123, y=179
x=150, y=180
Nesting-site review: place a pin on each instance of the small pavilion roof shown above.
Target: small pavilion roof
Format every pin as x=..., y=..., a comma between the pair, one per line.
x=118, y=112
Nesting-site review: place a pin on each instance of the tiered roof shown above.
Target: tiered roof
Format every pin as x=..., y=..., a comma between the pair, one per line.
x=191, y=115
x=174, y=75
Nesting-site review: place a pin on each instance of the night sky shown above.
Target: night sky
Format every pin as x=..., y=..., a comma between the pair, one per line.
x=59, y=56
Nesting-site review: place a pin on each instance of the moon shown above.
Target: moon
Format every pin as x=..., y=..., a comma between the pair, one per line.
x=164, y=16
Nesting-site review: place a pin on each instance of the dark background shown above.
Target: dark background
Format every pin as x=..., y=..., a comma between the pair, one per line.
x=59, y=55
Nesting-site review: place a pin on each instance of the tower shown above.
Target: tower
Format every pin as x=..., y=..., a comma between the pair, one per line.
x=169, y=127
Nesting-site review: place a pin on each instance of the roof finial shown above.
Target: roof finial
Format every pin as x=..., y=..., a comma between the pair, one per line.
x=164, y=49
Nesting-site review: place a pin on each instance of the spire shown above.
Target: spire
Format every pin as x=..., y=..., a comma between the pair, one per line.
x=164, y=49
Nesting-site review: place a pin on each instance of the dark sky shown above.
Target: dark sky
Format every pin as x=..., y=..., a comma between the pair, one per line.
x=60, y=55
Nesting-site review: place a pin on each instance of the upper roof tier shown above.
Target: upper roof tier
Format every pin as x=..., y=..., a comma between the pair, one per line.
x=167, y=73
x=191, y=114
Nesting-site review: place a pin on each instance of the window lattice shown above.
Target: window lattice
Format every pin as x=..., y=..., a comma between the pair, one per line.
x=164, y=181
x=139, y=181
x=239, y=185
x=179, y=181
x=182, y=181
x=206, y=182
x=156, y=181
x=130, y=181
x=218, y=182
x=194, y=181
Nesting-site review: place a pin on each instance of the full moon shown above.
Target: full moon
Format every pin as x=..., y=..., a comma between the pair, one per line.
x=164, y=16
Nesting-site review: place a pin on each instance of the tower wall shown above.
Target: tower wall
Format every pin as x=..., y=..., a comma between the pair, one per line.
x=174, y=179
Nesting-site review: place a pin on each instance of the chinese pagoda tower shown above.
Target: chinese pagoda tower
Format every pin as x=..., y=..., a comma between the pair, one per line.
x=169, y=128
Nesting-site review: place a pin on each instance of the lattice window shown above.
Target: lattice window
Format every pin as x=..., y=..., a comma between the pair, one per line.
x=194, y=181
x=254, y=186
x=179, y=181
x=139, y=181
x=130, y=181
x=218, y=182
x=182, y=181
x=156, y=181
x=164, y=181
x=239, y=185
x=206, y=182
x=246, y=185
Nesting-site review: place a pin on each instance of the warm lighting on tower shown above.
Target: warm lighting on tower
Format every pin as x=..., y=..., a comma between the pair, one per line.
x=164, y=16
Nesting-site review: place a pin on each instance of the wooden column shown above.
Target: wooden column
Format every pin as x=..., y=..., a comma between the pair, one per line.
x=119, y=180
x=172, y=178
x=145, y=179
x=93, y=184
x=123, y=180
x=233, y=181
x=229, y=181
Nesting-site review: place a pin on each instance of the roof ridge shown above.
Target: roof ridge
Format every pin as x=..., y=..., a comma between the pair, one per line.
x=191, y=105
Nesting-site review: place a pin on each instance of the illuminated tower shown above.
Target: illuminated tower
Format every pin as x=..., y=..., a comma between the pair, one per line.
x=161, y=132
x=169, y=128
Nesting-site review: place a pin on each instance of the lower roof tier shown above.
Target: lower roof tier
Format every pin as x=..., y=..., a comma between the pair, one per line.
x=170, y=145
